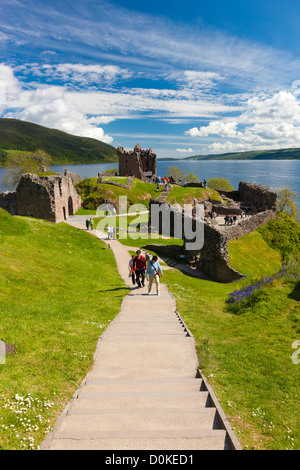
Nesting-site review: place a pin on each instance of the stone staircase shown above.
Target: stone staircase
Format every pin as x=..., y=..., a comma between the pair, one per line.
x=164, y=194
x=145, y=391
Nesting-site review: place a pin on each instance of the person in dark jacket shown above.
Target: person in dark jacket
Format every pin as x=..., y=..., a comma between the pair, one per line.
x=139, y=265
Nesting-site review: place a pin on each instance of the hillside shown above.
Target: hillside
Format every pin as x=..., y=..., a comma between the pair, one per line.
x=279, y=154
x=64, y=148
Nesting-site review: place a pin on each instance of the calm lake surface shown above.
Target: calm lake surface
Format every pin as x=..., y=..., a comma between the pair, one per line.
x=273, y=173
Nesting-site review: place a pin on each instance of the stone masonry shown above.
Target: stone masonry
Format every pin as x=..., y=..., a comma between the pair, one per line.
x=214, y=256
x=139, y=163
x=52, y=198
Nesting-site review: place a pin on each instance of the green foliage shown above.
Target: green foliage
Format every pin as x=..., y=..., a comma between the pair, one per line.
x=287, y=202
x=220, y=184
x=191, y=178
x=176, y=173
x=181, y=175
x=283, y=234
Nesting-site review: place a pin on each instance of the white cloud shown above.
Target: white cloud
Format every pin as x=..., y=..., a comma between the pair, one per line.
x=223, y=147
x=83, y=75
x=223, y=129
x=189, y=150
x=266, y=122
x=48, y=106
x=195, y=80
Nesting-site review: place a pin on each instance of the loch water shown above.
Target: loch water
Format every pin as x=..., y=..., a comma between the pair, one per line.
x=273, y=173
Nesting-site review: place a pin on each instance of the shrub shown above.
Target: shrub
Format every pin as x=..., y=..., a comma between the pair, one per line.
x=220, y=184
x=283, y=234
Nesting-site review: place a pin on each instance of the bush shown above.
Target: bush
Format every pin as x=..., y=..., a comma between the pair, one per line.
x=220, y=184
x=283, y=234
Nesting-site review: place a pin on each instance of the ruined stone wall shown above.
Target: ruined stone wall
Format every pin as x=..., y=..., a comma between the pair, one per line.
x=214, y=257
x=8, y=201
x=249, y=224
x=52, y=198
x=137, y=163
x=258, y=197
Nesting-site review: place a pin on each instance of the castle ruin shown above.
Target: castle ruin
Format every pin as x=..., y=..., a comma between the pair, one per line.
x=137, y=162
x=213, y=258
x=52, y=198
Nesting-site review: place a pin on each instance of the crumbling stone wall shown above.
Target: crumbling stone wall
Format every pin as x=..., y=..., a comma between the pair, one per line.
x=214, y=256
x=128, y=185
x=258, y=197
x=8, y=201
x=249, y=224
x=52, y=198
x=139, y=163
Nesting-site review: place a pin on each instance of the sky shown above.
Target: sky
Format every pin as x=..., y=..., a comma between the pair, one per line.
x=182, y=77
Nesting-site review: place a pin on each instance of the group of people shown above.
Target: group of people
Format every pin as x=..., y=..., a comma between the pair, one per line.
x=141, y=267
x=230, y=219
x=166, y=181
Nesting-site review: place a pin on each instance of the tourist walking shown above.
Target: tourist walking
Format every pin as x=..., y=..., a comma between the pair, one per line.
x=154, y=272
x=87, y=224
x=139, y=265
x=92, y=224
x=131, y=270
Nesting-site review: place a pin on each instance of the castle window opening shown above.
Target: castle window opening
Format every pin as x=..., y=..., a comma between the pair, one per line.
x=70, y=206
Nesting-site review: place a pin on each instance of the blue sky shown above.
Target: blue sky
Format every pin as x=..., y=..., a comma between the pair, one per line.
x=185, y=78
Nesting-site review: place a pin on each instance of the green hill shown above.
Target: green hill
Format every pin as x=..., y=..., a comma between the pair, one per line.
x=64, y=148
x=279, y=154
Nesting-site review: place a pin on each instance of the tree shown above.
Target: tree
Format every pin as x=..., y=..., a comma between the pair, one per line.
x=176, y=173
x=191, y=178
x=17, y=165
x=220, y=184
x=287, y=202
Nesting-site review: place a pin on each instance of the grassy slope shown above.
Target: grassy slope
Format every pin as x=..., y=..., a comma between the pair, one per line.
x=64, y=148
x=59, y=289
x=251, y=255
x=183, y=195
x=94, y=194
x=247, y=357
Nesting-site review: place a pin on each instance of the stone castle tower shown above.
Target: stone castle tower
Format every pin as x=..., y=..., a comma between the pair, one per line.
x=137, y=162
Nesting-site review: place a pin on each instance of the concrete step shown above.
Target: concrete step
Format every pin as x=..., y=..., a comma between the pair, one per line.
x=200, y=440
x=142, y=401
x=147, y=386
x=141, y=421
x=132, y=373
x=142, y=318
x=146, y=329
x=144, y=354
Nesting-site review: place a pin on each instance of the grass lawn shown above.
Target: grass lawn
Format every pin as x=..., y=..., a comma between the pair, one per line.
x=252, y=256
x=247, y=357
x=94, y=194
x=181, y=195
x=59, y=289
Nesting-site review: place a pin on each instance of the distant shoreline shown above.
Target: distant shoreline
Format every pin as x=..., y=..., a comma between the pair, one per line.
x=193, y=159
